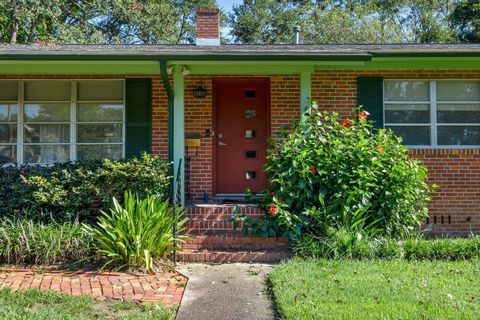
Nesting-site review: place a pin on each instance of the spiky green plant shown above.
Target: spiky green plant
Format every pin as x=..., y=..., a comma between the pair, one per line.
x=137, y=234
x=23, y=241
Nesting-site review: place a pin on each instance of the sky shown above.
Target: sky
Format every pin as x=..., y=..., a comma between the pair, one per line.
x=227, y=4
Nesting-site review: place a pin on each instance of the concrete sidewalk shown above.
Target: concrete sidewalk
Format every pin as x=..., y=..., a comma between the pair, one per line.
x=226, y=292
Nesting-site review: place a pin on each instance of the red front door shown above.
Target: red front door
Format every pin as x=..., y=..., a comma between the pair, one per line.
x=241, y=135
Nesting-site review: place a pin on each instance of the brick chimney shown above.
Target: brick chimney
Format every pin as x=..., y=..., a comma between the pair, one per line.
x=208, y=27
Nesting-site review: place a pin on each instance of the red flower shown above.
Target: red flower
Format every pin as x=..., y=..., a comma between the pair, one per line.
x=363, y=115
x=313, y=170
x=345, y=123
x=273, y=209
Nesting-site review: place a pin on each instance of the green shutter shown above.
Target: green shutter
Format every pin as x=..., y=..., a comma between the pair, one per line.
x=370, y=96
x=138, y=116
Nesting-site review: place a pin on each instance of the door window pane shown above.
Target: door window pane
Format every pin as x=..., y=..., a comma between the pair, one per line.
x=99, y=133
x=458, y=113
x=8, y=133
x=459, y=135
x=47, y=113
x=97, y=112
x=47, y=90
x=251, y=175
x=413, y=136
x=46, y=153
x=8, y=154
x=407, y=91
x=8, y=90
x=46, y=133
x=90, y=152
x=407, y=113
x=458, y=91
x=8, y=112
x=251, y=154
x=100, y=90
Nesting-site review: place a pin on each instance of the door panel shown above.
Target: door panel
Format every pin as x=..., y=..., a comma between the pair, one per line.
x=241, y=137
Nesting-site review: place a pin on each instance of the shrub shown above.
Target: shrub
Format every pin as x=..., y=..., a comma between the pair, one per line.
x=69, y=190
x=35, y=243
x=326, y=171
x=341, y=244
x=138, y=233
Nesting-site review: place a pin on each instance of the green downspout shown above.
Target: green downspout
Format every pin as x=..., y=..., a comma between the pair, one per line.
x=168, y=89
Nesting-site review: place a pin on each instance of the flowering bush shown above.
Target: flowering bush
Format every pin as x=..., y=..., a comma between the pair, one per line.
x=332, y=173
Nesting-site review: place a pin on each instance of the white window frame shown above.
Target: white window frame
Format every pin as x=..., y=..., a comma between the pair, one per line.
x=17, y=102
x=433, y=113
x=73, y=118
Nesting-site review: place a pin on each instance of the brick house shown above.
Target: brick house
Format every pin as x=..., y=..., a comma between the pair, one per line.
x=214, y=106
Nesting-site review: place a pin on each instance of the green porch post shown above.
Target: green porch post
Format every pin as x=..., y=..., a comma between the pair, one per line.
x=305, y=90
x=179, y=127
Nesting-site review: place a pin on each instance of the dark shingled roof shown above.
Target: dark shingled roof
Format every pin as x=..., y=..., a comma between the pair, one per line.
x=236, y=51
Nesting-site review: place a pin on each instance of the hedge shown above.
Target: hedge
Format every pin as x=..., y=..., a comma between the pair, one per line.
x=77, y=191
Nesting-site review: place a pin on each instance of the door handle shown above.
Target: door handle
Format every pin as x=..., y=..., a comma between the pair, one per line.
x=221, y=143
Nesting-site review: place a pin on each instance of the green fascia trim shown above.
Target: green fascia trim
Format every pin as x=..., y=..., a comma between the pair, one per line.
x=78, y=67
x=410, y=63
x=179, y=127
x=264, y=63
x=248, y=69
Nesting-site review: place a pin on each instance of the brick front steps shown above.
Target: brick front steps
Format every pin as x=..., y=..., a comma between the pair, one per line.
x=213, y=240
x=233, y=248
x=207, y=219
x=165, y=287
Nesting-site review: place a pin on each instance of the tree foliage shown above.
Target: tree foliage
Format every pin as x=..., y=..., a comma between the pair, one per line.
x=349, y=21
x=99, y=21
x=466, y=20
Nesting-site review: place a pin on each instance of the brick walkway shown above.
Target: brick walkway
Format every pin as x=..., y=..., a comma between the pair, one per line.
x=166, y=287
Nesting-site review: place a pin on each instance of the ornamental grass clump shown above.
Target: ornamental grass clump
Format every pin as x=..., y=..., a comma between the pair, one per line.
x=138, y=233
x=330, y=172
x=27, y=242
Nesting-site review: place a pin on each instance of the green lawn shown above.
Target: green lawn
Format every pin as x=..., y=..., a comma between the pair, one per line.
x=49, y=305
x=313, y=289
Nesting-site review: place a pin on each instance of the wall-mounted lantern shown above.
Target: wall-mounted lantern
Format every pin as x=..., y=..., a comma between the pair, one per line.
x=200, y=92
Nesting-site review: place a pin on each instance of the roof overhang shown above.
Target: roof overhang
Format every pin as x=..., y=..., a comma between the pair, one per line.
x=233, y=59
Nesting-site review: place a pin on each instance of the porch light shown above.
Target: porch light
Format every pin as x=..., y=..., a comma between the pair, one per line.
x=200, y=92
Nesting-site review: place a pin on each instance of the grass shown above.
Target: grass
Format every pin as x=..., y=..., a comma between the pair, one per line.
x=48, y=305
x=396, y=289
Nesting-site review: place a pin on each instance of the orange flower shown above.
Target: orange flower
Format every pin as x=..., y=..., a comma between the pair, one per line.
x=380, y=149
x=273, y=209
x=345, y=123
x=313, y=170
x=363, y=115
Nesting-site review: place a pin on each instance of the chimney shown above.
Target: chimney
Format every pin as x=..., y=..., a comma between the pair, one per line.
x=208, y=27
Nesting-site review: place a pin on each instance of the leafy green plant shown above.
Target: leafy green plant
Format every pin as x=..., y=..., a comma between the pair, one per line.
x=66, y=191
x=37, y=243
x=361, y=176
x=341, y=244
x=138, y=233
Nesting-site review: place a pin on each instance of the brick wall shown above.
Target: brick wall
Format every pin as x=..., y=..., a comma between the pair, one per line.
x=456, y=172
x=455, y=208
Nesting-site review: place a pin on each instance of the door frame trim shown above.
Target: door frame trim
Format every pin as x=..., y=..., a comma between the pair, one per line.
x=215, y=82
